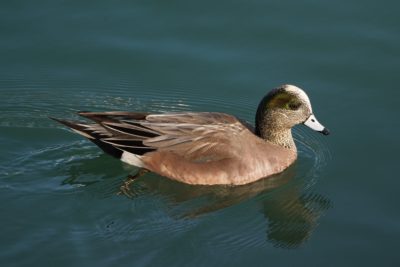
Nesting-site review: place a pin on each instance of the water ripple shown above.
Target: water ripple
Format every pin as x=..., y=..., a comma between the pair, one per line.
x=287, y=208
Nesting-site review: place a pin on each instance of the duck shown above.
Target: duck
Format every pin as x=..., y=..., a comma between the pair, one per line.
x=205, y=148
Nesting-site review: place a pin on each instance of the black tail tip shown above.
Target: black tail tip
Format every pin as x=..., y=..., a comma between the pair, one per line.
x=55, y=119
x=64, y=122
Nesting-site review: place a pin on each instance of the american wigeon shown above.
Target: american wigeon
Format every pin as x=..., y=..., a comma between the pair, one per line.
x=205, y=148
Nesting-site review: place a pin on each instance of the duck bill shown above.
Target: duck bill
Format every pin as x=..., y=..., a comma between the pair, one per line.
x=314, y=124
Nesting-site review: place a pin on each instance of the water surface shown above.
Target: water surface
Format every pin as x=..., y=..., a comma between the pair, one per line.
x=336, y=206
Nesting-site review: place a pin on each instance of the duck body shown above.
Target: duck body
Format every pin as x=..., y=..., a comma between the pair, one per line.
x=203, y=148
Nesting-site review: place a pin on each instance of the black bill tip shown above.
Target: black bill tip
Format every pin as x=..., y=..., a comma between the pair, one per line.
x=325, y=131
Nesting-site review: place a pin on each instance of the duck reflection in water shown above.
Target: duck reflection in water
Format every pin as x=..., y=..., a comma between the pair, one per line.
x=291, y=214
x=290, y=210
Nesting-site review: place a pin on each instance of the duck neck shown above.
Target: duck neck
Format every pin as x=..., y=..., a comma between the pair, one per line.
x=282, y=138
x=270, y=130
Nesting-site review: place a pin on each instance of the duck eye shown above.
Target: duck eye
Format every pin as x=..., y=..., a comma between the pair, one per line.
x=294, y=105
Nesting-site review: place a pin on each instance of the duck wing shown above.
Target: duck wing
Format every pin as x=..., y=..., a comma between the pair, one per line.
x=195, y=136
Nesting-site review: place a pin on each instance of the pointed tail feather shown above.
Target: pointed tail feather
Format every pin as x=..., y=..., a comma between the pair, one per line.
x=83, y=130
x=76, y=127
x=108, y=139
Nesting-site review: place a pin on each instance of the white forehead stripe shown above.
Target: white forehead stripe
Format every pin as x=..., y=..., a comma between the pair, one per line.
x=299, y=92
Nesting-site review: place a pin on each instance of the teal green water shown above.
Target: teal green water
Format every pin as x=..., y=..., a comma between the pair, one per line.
x=337, y=206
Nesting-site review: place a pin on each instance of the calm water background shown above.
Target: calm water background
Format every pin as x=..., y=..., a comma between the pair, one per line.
x=337, y=206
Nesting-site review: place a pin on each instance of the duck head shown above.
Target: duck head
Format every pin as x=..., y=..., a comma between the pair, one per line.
x=280, y=110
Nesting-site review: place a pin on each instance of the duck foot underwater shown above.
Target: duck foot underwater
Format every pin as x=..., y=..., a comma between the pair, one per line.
x=125, y=188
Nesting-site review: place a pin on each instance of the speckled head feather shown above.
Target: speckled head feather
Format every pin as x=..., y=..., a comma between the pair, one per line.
x=280, y=110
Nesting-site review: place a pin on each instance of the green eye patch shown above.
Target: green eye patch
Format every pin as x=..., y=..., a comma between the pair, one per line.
x=284, y=100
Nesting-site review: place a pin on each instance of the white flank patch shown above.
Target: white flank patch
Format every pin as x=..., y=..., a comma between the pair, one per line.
x=132, y=159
